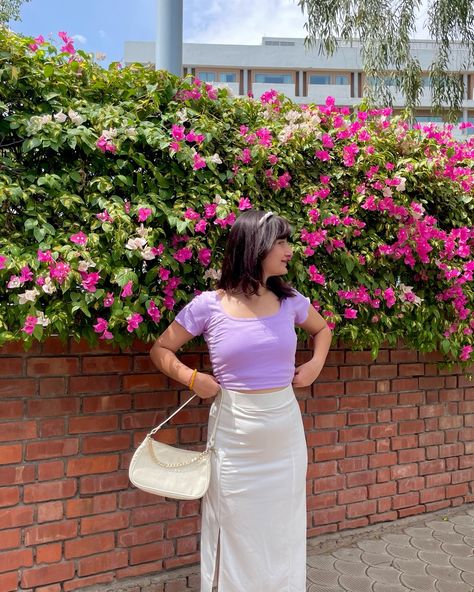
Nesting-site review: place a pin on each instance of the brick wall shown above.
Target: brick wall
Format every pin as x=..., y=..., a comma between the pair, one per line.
x=387, y=439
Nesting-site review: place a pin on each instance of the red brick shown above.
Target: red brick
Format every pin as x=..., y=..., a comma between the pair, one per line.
x=89, y=545
x=52, y=531
x=99, y=384
x=186, y=545
x=383, y=431
x=45, y=366
x=39, y=492
x=11, y=366
x=411, y=369
x=97, y=504
x=462, y=476
x=382, y=460
x=461, y=489
x=18, y=516
x=182, y=527
x=145, y=382
x=10, y=539
x=17, y=388
x=163, y=399
x=382, y=401
x=448, y=423
x=432, y=466
x=361, y=478
x=51, y=553
x=405, y=500
x=433, y=494
x=93, y=423
x=49, y=428
x=446, y=450
x=151, y=552
x=431, y=438
x=327, y=516
x=360, y=448
x=140, y=569
x=18, y=430
x=50, y=511
x=10, y=453
x=11, y=410
x=107, y=403
x=92, y=465
x=349, y=465
x=411, y=427
x=48, y=574
x=106, y=364
x=103, y=483
x=415, y=398
x=361, y=418
x=329, y=484
x=328, y=389
x=330, y=420
x=411, y=511
x=53, y=407
x=89, y=581
x=353, y=372
x=17, y=475
x=9, y=581
x=104, y=523
x=325, y=500
x=103, y=443
x=141, y=535
x=158, y=513
x=9, y=496
x=404, y=442
x=329, y=453
x=322, y=438
x=353, y=434
x=15, y=559
x=411, y=455
x=436, y=480
x=51, y=448
x=47, y=471
x=400, y=385
x=410, y=484
x=351, y=495
x=362, y=508
x=52, y=387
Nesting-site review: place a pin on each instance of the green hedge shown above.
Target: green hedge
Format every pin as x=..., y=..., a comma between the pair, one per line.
x=121, y=185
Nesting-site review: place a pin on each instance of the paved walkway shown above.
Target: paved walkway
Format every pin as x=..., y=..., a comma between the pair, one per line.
x=431, y=554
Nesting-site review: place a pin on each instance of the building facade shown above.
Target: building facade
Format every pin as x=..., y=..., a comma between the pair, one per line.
x=304, y=75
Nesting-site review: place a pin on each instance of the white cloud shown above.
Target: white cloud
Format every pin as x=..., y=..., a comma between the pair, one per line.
x=80, y=39
x=102, y=34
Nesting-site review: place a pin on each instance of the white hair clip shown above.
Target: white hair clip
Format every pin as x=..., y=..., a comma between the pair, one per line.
x=265, y=217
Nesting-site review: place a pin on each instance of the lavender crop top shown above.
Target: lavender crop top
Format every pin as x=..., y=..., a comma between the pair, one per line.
x=247, y=353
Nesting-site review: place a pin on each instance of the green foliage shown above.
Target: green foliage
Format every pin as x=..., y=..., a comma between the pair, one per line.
x=118, y=188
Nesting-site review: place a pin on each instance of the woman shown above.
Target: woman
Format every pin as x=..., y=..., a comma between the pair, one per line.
x=254, y=513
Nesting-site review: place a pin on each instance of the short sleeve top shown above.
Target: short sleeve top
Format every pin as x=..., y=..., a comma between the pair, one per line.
x=247, y=353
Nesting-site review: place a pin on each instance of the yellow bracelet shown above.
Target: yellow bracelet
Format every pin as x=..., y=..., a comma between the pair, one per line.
x=191, y=382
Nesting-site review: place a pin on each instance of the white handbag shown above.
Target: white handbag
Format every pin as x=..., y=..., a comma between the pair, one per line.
x=172, y=472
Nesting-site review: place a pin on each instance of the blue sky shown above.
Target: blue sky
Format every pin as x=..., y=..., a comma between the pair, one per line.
x=105, y=25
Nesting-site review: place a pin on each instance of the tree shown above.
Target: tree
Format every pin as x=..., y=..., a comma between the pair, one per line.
x=10, y=10
x=384, y=28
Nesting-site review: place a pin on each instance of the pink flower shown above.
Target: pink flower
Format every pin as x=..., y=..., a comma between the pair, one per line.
x=101, y=325
x=3, y=260
x=30, y=323
x=322, y=155
x=154, y=312
x=273, y=159
x=59, y=272
x=79, y=239
x=144, y=214
x=105, y=145
x=127, y=290
x=204, y=256
x=89, y=281
x=198, y=162
x=134, y=321
x=104, y=216
x=350, y=313
x=175, y=146
x=183, y=254
x=26, y=275
x=389, y=296
x=108, y=299
x=164, y=273
x=190, y=214
x=245, y=156
x=244, y=203
x=315, y=276
x=210, y=210
x=126, y=207
x=201, y=226
x=284, y=180
x=466, y=352
x=328, y=142
x=177, y=131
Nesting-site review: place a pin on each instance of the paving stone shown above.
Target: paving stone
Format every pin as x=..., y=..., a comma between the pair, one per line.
x=463, y=563
x=322, y=577
x=324, y=562
x=419, y=532
x=456, y=550
x=317, y=588
x=419, y=583
x=375, y=559
x=396, y=539
x=434, y=558
x=377, y=546
x=410, y=566
x=469, y=541
x=464, y=519
x=443, y=573
x=356, y=584
x=452, y=587
x=384, y=575
x=427, y=544
x=448, y=537
x=350, y=554
x=390, y=588
x=402, y=552
x=468, y=577
x=464, y=529
x=440, y=525
x=349, y=568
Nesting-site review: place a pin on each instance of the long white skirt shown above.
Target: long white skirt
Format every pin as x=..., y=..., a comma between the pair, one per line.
x=254, y=512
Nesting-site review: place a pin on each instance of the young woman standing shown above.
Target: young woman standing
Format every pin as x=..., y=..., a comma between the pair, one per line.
x=254, y=512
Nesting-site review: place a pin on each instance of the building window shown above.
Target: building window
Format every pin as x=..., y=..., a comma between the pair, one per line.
x=228, y=77
x=426, y=82
x=429, y=119
x=319, y=79
x=274, y=78
x=207, y=76
x=342, y=79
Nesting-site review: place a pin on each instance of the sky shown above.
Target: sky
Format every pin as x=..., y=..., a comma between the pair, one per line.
x=104, y=25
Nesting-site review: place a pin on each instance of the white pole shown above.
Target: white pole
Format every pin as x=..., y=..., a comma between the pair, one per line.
x=169, y=36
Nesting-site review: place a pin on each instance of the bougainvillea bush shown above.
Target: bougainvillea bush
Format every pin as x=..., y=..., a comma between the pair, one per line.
x=118, y=188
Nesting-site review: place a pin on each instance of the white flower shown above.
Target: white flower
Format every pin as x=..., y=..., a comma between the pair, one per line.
x=131, y=132
x=216, y=159
x=135, y=244
x=84, y=265
x=60, y=117
x=109, y=134
x=28, y=296
x=387, y=192
x=181, y=115
x=292, y=115
x=42, y=320
x=48, y=286
x=215, y=274
x=147, y=254
x=44, y=119
x=14, y=282
x=75, y=117
x=142, y=231
x=401, y=185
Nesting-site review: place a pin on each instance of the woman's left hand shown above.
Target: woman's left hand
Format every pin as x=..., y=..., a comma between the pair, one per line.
x=306, y=374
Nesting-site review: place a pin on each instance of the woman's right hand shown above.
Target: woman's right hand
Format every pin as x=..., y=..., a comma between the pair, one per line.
x=205, y=385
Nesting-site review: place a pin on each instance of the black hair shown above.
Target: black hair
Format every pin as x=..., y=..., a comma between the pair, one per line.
x=250, y=239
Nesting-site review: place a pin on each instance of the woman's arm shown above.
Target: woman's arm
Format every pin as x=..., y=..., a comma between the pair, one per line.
x=317, y=327
x=163, y=355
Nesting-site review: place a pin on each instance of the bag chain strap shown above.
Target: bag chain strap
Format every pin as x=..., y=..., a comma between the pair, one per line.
x=196, y=458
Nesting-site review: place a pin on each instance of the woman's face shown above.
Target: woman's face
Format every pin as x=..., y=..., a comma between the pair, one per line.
x=275, y=263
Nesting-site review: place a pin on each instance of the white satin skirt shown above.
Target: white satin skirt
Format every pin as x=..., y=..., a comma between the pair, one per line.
x=253, y=535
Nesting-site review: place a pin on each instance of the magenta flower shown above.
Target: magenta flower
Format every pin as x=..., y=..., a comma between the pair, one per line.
x=210, y=210
x=315, y=276
x=79, y=239
x=245, y=156
x=127, y=290
x=272, y=159
x=59, y=272
x=466, y=352
x=244, y=203
x=177, y=131
x=204, y=256
x=30, y=324
x=284, y=180
x=44, y=256
x=175, y=146
x=389, y=296
x=90, y=280
x=350, y=313
x=105, y=145
x=101, y=325
x=3, y=260
x=104, y=216
x=154, y=312
x=190, y=214
x=164, y=274
x=201, y=226
x=322, y=155
x=144, y=214
x=134, y=321
x=108, y=299
x=198, y=162
x=183, y=254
